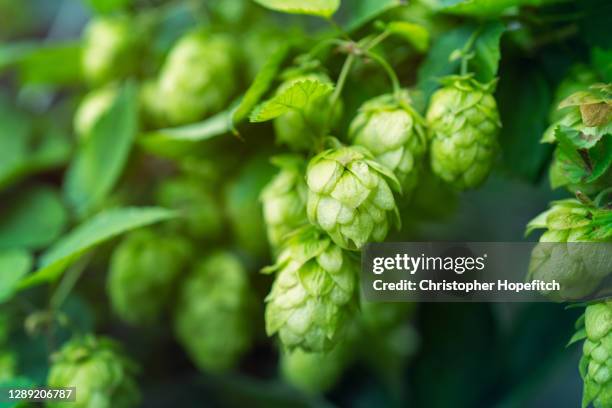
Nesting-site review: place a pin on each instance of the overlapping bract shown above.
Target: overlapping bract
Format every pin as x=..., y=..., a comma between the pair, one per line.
x=314, y=293
x=394, y=132
x=464, y=124
x=350, y=196
x=100, y=372
x=213, y=316
x=143, y=271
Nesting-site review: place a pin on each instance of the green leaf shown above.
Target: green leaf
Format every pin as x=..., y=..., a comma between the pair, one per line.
x=100, y=161
x=260, y=84
x=13, y=52
x=415, y=34
x=14, y=264
x=486, y=52
x=108, y=6
x=360, y=12
x=575, y=138
x=486, y=8
x=56, y=64
x=437, y=63
x=33, y=219
x=100, y=228
x=578, y=336
x=322, y=8
x=297, y=97
x=601, y=158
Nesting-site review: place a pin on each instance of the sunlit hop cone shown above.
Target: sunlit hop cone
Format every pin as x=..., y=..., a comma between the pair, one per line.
x=143, y=271
x=313, y=297
x=197, y=77
x=213, y=317
x=110, y=49
x=464, y=124
x=596, y=362
x=350, y=196
x=101, y=374
x=93, y=106
x=567, y=252
x=284, y=198
x=390, y=128
x=300, y=129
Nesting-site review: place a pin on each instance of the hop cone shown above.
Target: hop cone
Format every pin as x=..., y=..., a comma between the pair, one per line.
x=596, y=362
x=313, y=372
x=93, y=106
x=110, y=49
x=464, y=123
x=284, y=199
x=197, y=78
x=213, y=319
x=349, y=196
x=143, y=270
x=102, y=374
x=566, y=252
x=393, y=131
x=313, y=297
x=298, y=130
x=202, y=213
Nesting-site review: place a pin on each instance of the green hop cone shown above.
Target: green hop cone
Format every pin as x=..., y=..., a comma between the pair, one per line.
x=313, y=297
x=596, y=362
x=102, y=375
x=213, y=317
x=201, y=210
x=284, y=199
x=312, y=372
x=300, y=129
x=567, y=253
x=197, y=78
x=349, y=196
x=393, y=131
x=143, y=271
x=110, y=49
x=464, y=123
x=93, y=106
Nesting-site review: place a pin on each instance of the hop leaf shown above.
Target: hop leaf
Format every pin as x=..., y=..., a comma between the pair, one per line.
x=98, y=369
x=197, y=77
x=313, y=297
x=213, y=318
x=464, y=124
x=322, y=8
x=393, y=131
x=143, y=270
x=349, y=196
x=284, y=199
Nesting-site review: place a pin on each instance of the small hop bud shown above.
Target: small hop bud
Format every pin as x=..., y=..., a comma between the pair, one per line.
x=349, y=196
x=197, y=78
x=284, y=199
x=143, y=270
x=110, y=49
x=97, y=367
x=313, y=297
x=464, y=123
x=202, y=215
x=93, y=106
x=299, y=129
x=596, y=362
x=213, y=317
x=394, y=132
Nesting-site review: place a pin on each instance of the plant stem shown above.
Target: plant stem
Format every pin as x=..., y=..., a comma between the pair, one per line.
x=67, y=284
x=390, y=72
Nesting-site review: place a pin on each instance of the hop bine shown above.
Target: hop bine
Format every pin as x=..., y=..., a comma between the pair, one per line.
x=102, y=375
x=596, y=362
x=313, y=297
x=349, y=196
x=144, y=268
x=284, y=199
x=213, y=317
x=464, y=123
x=197, y=77
x=390, y=128
x=572, y=250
